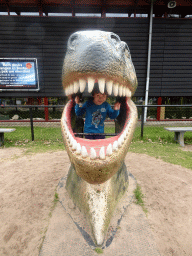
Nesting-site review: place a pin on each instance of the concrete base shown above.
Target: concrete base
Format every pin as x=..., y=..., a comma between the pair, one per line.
x=97, y=201
x=129, y=232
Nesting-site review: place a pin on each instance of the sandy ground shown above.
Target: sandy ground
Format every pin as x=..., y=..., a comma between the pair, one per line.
x=27, y=186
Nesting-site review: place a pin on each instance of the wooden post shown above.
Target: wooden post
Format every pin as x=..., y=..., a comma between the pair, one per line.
x=159, y=102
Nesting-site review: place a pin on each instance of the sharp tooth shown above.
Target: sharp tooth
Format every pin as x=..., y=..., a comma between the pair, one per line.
x=91, y=82
x=124, y=135
x=102, y=153
x=124, y=93
x=68, y=134
x=120, y=141
x=120, y=90
x=128, y=92
x=109, y=150
x=82, y=84
x=115, y=89
x=65, y=126
x=76, y=87
x=101, y=82
x=66, y=91
x=70, y=140
x=127, y=129
x=70, y=89
x=109, y=86
x=74, y=146
x=78, y=149
x=84, y=152
x=115, y=146
x=93, y=154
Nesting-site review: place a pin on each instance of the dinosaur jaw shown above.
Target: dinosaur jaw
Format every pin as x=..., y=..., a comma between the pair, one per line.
x=98, y=160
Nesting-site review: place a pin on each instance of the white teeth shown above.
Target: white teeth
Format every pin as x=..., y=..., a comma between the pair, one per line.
x=66, y=129
x=84, y=152
x=69, y=90
x=78, y=149
x=82, y=84
x=109, y=86
x=120, y=141
x=65, y=126
x=124, y=93
x=101, y=82
x=115, y=146
x=76, y=87
x=127, y=129
x=115, y=89
x=128, y=92
x=109, y=150
x=91, y=83
x=120, y=90
x=68, y=134
x=74, y=146
x=124, y=135
x=93, y=154
x=66, y=91
x=70, y=140
x=102, y=153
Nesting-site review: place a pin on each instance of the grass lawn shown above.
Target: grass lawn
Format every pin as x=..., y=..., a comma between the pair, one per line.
x=156, y=142
x=159, y=143
x=45, y=139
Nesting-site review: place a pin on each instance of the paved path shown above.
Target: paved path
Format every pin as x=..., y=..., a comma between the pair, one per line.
x=68, y=235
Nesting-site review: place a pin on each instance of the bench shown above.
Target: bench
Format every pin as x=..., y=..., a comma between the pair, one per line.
x=2, y=131
x=179, y=133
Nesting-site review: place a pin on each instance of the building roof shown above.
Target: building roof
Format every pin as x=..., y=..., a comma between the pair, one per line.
x=183, y=7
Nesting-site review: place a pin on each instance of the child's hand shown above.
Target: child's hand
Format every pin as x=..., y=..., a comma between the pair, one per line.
x=77, y=100
x=117, y=106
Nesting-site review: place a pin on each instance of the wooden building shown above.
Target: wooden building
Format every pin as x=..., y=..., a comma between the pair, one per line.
x=40, y=29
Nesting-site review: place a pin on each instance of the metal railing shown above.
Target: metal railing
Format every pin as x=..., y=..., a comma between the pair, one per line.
x=50, y=115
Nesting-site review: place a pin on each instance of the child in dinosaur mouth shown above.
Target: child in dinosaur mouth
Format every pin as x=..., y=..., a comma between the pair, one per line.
x=96, y=111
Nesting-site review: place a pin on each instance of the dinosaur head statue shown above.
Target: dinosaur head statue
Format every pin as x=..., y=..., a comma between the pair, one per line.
x=98, y=58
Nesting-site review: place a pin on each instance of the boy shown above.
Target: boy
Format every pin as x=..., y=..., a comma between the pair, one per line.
x=96, y=111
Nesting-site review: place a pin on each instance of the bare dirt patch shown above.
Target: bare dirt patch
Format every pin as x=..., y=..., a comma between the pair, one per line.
x=27, y=187
x=187, y=148
x=168, y=196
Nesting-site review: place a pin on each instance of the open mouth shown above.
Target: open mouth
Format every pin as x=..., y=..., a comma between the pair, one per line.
x=101, y=149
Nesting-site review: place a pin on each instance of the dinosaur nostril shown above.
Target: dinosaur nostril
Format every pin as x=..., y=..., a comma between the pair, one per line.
x=125, y=47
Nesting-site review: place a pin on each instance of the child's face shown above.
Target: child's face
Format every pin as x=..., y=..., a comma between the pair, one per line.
x=99, y=98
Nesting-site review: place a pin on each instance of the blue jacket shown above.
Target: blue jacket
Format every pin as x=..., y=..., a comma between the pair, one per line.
x=95, y=115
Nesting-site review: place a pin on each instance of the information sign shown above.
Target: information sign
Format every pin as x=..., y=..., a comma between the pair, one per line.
x=19, y=74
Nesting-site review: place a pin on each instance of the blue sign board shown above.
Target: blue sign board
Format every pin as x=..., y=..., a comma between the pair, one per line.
x=19, y=74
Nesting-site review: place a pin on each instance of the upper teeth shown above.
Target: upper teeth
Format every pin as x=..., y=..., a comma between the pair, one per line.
x=80, y=85
x=101, y=83
x=109, y=86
